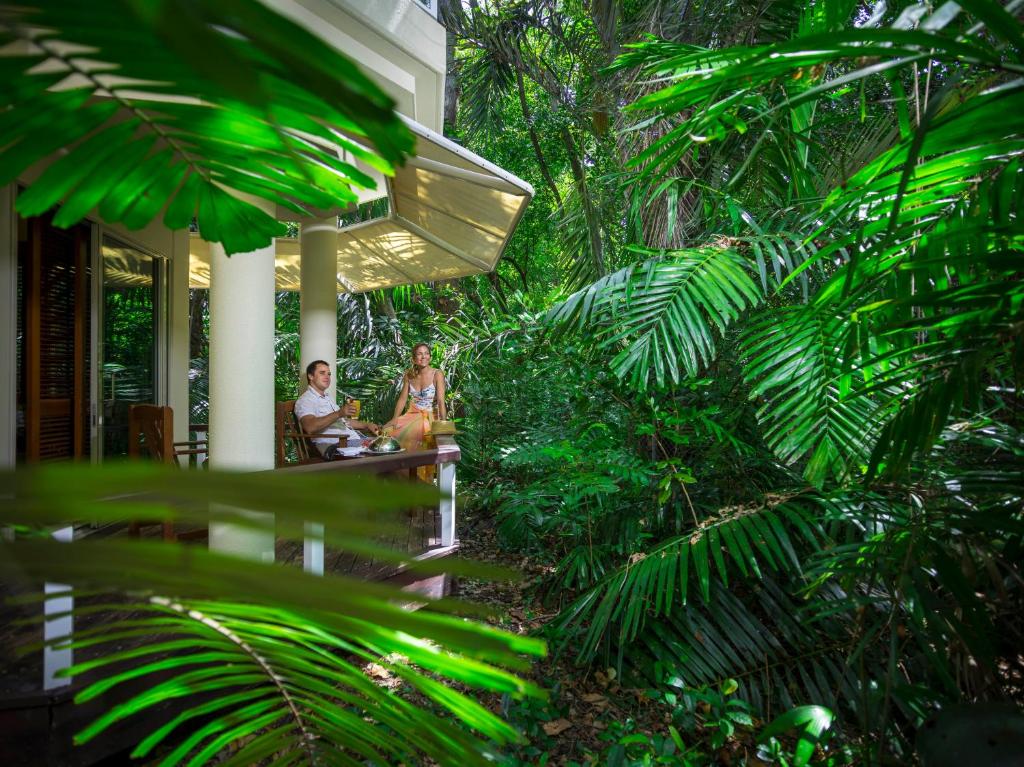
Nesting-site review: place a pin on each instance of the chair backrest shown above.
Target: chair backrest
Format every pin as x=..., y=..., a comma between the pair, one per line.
x=151, y=431
x=289, y=428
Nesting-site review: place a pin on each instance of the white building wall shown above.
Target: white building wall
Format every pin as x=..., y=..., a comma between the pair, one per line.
x=396, y=42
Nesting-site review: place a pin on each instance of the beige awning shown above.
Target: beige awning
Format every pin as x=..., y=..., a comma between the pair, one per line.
x=451, y=215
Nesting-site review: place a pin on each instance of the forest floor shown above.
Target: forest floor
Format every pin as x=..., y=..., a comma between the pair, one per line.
x=585, y=709
x=589, y=718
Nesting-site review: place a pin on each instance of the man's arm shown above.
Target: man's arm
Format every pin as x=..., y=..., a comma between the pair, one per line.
x=314, y=424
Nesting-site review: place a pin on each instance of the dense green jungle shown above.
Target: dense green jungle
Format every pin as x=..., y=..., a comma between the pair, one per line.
x=745, y=385
x=740, y=403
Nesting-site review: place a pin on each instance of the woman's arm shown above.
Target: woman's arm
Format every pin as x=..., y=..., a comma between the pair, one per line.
x=439, y=389
x=403, y=397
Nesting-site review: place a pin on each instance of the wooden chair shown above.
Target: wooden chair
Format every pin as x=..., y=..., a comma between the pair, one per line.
x=289, y=429
x=151, y=435
x=151, y=430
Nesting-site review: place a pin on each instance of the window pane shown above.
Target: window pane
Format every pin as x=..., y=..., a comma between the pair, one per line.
x=129, y=339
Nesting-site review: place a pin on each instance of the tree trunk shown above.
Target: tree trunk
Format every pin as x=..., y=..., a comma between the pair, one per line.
x=196, y=310
x=593, y=225
x=528, y=117
x=520, y=269
x=499, y=293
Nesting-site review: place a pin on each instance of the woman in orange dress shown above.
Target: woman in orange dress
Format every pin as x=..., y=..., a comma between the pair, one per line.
x=422, y=387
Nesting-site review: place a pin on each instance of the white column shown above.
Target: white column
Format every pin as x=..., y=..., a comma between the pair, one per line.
x=313, y=549
x=178, y=334
x=242, y=378
x=318, y=302
x=318, y=333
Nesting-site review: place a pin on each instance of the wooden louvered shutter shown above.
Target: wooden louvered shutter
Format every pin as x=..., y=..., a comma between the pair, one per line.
x=54, y=351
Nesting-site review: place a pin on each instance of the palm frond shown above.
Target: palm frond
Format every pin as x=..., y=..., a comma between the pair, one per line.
x=952, y=310
x=273, y=651
x=918, y=564
x=742, y=540
x=662, y=315
x=485, y=79
x=280, y=683
x=721, y=86
x=778, y=660
x=812, y=407
x=782, y=254
x=169, y=108
x=573, y=230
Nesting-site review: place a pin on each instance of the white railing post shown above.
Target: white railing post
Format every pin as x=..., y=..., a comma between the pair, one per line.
x=313, y=549
x=56, y=660
x=446, y=484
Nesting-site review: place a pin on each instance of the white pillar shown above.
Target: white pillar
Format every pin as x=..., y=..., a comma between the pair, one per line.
x=318, y=302
x=242, y=378
x=318, y=333
x=179, y=335
x=313, y=549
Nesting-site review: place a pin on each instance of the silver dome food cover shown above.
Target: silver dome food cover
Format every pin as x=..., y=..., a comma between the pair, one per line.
x=385, y=444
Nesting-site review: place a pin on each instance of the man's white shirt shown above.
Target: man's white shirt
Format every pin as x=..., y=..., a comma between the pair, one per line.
x=312, y=402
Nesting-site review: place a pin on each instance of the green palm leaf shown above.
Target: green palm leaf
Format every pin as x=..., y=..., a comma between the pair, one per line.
x=662, y=315
x=915, y=563
x=264, y=654
x=938, y=337
x=813, y=409
x=720, y=88
x=163, y=106
x=748, y=540
x=270, y=668
x=777, y=659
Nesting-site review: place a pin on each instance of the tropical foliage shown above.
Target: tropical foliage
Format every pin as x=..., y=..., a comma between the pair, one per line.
x=785, y=447
x=746, y=382
x=164, y=106
x=268, y=661
x=747, y=379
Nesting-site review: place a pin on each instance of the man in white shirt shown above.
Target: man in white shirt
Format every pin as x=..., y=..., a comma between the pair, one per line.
x=319, y=414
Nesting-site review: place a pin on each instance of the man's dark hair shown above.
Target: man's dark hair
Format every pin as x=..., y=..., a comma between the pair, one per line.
x=311, y=368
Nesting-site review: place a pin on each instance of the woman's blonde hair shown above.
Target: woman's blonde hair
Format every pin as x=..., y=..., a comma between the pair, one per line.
x=414, y=369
